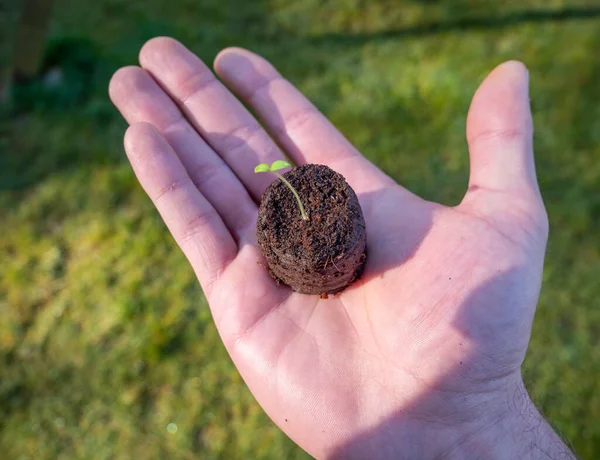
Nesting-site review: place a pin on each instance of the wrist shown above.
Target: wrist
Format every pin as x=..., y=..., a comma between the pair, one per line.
x=502, y=423
x=512, y=427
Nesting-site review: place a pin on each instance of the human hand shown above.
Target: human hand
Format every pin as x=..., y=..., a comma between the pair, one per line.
x=421, y=357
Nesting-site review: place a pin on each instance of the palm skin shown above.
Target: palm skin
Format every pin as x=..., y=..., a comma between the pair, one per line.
x=442, y=312
x=421, y=354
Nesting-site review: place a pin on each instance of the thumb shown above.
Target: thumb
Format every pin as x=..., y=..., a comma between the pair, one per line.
x=502, y=182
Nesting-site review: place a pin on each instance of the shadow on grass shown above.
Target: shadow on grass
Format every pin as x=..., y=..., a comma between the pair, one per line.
x=465, y=23
x=59, y=119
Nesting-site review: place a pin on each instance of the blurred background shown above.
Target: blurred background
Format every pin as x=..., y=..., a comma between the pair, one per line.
x=107, y=348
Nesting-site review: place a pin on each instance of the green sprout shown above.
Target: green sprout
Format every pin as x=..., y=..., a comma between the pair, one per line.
x=277, y=165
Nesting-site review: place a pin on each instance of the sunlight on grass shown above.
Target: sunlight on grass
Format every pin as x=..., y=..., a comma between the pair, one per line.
x=107, y=347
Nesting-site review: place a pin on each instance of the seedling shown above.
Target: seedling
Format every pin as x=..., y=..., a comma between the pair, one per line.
x=277, y=165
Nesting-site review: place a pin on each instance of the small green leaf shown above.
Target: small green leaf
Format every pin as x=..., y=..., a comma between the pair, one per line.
x=262, y=168
x=279, y=164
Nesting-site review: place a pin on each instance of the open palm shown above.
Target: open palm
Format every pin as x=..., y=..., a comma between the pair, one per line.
x=421, y=349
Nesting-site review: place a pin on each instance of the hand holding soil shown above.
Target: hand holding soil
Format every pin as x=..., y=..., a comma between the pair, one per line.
x=421, y=356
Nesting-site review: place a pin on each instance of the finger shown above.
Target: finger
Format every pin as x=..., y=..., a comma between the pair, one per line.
x=499, y=131
x=303, y=132
x=140, y=99
x=193, y=222
x=500, y=137
x=217, y=115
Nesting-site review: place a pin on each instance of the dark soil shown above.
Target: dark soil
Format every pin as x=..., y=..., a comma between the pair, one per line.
x=320, y=256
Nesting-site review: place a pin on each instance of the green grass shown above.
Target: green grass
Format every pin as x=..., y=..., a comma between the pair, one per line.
x=105, y=337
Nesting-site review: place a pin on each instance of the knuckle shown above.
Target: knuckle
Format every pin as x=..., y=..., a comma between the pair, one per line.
x=195, y=84
x=264, y=86
x=168, y=190
x=503, y=136
x=298, y=119
x=239, y=136
x=195, y=225
x=204, y=172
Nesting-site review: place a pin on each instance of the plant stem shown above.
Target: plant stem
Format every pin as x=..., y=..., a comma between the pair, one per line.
x=304, y=215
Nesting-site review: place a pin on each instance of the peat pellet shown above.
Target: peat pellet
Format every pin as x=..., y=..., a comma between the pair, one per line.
x=320, y=256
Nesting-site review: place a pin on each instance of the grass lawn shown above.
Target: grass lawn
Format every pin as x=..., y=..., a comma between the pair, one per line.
x=107, y=349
